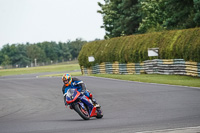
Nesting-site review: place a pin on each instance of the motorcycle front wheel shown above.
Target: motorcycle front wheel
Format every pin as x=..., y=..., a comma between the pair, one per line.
x=99, y=113
x=82, y=112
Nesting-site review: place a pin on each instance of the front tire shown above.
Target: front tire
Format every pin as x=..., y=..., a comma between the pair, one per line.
x=99, y=113
x=82, y=112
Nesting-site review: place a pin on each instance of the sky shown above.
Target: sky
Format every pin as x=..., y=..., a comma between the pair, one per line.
x=35, y=21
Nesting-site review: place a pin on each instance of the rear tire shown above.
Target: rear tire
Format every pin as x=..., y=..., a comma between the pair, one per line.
x=83, y=113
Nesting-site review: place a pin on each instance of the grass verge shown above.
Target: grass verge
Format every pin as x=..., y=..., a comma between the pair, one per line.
x=149, y=78
x=154, y=78
x=50, y=68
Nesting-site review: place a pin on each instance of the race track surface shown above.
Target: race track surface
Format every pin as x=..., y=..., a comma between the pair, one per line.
x=35, y=105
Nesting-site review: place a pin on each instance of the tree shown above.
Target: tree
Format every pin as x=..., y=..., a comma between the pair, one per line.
x=180, y=14
x=45, y=52
x=6, y=60
x=153, y=15
x=20, y=57
x=120, y=17
x=35, y=52
x=51, y=50
x=64, y=52
x=126, y=17
x=75, y=47
x=5, y=55
x=197, y=12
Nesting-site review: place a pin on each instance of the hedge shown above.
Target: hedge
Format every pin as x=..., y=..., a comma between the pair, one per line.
x=174, y=44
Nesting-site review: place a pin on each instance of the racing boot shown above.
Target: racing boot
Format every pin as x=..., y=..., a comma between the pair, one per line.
x=89, y=94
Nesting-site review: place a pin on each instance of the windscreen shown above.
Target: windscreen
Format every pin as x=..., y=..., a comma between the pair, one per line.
x=70, y=92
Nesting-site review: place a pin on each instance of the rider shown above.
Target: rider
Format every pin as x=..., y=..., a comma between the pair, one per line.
x=70, y=82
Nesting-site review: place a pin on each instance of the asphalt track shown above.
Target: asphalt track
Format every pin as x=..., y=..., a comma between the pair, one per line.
x=35, y=105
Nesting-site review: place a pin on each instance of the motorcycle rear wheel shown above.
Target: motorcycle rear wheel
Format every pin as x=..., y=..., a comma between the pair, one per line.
x=83, y=113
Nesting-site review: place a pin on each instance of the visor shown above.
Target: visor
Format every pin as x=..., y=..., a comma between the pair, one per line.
x=67, y=81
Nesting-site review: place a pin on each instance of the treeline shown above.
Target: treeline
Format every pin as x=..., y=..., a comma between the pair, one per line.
x=22, y=55
x=127, y=17
x=173, y=44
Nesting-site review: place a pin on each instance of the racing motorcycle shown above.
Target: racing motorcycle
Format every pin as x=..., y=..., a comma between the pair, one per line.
x=82, y=104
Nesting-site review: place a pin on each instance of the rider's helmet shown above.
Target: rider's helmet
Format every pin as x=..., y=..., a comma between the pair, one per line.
x=67, y=79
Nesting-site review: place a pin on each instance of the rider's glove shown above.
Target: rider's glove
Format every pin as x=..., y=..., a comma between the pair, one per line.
x=74, y=84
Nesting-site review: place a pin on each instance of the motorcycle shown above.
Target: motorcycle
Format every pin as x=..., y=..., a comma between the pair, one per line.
x=82, y=104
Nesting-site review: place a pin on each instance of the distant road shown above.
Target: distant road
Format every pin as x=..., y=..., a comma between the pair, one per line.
x=35, y=105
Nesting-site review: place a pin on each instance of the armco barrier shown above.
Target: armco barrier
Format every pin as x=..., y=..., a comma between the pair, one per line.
x=156, y=66
x=130, y=68
x=115, y=67
x=193, y=68
x=109, y=68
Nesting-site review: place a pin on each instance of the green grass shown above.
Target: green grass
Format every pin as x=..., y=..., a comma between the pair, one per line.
x=149, y=78
x=153, y=78
x=50, y=68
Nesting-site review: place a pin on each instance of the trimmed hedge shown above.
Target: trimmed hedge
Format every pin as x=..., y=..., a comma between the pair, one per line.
x=175, y=44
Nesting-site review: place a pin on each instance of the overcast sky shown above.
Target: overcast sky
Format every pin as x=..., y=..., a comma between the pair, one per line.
x=35, y=21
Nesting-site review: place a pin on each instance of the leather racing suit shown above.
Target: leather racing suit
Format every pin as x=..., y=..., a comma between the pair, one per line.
x=77, y=83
